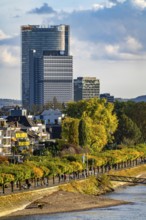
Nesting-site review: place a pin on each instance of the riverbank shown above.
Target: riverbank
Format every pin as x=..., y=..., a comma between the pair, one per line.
x=54, y=200
x=18, y=201
x=62, y=201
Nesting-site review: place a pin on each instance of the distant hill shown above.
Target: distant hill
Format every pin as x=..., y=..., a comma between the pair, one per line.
x=137, y=99
x=9, y=102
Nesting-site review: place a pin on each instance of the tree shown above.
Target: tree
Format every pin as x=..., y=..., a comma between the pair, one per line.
x=100, y=120
x=127, y=132
x=54, y=104
x=70, y=130
x=82, y=133
x=136, y=112
x=36, y=109
x=4, y=179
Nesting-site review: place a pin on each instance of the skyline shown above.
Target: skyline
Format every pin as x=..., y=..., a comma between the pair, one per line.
x=107, y=41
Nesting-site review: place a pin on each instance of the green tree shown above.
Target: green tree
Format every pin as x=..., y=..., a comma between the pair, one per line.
x=127, y=132
x=136, y=112
x=82, y=133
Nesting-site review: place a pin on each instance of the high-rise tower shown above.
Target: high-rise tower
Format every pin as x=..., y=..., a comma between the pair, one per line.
x=47, y=67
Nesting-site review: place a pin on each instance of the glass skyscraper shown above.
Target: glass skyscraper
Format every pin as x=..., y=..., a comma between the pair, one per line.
x=47, y=67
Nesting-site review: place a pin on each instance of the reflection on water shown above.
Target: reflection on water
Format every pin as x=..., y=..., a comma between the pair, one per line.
x=135, y=211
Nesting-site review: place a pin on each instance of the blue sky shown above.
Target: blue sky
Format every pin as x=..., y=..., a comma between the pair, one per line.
x=108, y=41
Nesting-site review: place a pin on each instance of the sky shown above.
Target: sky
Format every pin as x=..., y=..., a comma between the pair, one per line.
x=107, y=41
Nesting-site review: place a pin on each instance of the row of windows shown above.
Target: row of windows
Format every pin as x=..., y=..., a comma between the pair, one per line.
x=49, y=86
x=57, y=68
x=53, y=79
x=61, y=92
x=56, y=65
x=57, y=58
x=60, y=73
x=57, y=94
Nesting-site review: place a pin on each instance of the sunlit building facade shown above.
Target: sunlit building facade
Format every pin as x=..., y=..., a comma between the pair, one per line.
x=86, y=88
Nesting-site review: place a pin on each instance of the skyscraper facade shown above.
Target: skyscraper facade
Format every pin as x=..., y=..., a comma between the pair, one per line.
x=86, y=88
x=47, y=67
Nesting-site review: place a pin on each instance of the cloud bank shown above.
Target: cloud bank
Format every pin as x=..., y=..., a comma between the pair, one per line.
x=109, y=30
x=44, y=9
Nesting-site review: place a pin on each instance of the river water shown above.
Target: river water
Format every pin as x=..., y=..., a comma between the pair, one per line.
x=134, y=211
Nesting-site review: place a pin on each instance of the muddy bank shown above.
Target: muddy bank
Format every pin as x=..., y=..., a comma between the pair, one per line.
x=62, y=201
x=18, y=201
x=52, y=200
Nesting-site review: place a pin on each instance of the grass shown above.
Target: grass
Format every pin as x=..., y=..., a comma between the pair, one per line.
x=130, y=172
x=90, y=186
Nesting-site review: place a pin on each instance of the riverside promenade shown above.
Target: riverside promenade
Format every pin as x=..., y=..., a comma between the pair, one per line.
x=24, y=201
x=34, y=184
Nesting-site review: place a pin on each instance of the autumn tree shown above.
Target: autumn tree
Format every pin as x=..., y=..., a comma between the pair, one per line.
x=70, y=130
x=101, y=122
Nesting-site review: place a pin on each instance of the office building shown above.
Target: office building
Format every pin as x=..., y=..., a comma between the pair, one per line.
x=86, y=88
x=108, y=97
x=47, y=67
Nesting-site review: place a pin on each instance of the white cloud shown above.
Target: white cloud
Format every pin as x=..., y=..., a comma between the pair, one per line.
x=128, y=49
x=9, y=56
x=112, y=49
x=81, y=49
x=106, y=4
x=133, y=44
x=139, y=3
x=97, y=6
x=3, y=35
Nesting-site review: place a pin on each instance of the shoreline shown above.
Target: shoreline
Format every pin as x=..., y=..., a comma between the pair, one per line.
x=66, y=202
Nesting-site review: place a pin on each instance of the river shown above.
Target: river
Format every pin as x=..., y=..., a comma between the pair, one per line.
x=134, y=211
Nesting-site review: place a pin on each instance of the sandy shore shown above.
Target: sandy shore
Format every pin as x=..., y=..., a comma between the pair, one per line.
x=62, y=201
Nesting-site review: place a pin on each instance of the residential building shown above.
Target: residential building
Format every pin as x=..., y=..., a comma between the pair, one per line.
x=17, y=111
x=7, y=133
x=47, y=67
x=36, y=131
x=108, y=97
x=86, y=88
x=52, y=119
x=51, y=116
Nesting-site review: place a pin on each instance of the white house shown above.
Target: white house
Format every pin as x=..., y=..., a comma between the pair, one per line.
x=51, y=116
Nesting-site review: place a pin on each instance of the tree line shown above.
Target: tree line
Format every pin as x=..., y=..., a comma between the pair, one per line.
x=40, y=167
x=95, y=124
